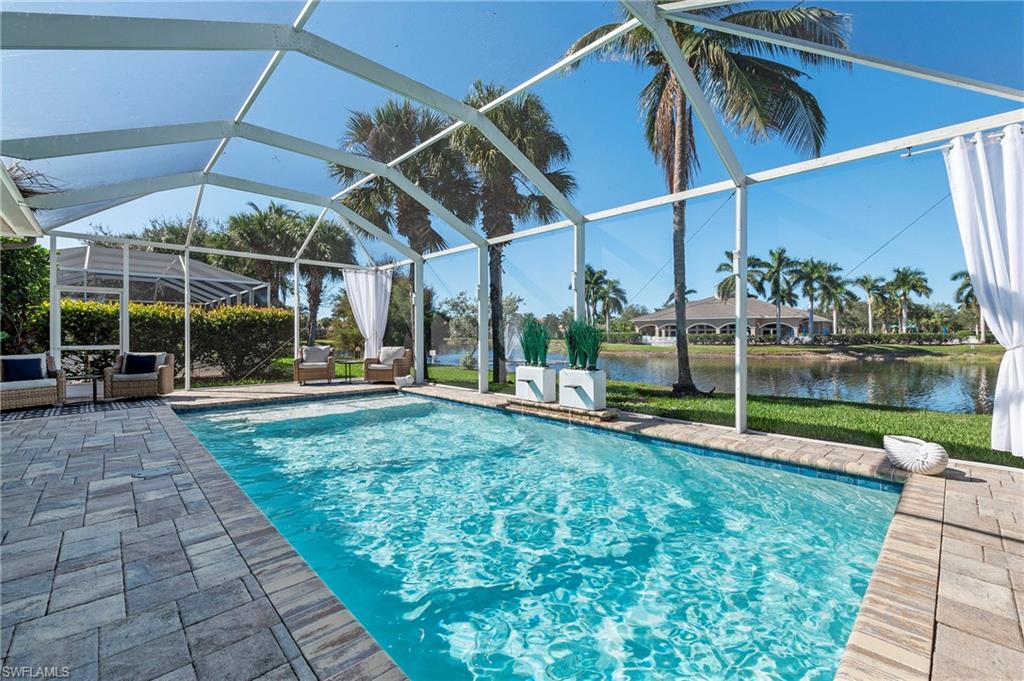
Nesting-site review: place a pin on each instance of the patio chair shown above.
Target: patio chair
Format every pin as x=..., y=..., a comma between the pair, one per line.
x=139, y=374
x=393, y=361
x=315, y=362
x=30, y=381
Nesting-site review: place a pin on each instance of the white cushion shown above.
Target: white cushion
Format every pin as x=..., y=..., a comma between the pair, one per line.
x=135, y=377
x=314, y=365
x=388, y=355
x=26, y=385
x=315, y=353
x=387, y=367
x=41, y=356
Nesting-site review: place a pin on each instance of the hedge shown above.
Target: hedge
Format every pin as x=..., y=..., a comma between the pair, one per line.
x=916, y=338
x=235, y=338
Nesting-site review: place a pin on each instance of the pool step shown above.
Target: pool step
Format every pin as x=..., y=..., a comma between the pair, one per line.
x=555, y=410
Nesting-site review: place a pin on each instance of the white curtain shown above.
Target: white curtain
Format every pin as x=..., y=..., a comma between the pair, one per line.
x=369, y=293
x=986, y=180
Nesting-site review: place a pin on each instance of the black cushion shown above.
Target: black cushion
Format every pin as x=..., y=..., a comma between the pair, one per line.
x=139, y=364
x=23, y=369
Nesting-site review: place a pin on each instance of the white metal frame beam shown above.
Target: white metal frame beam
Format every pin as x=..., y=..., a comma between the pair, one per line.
x=647, y=13
x=890, y=65
x=29, y=31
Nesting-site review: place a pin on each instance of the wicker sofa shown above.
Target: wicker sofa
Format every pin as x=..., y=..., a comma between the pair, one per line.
x=118, y=385
x=314, y=363
x=33, y=393
x=393, y=361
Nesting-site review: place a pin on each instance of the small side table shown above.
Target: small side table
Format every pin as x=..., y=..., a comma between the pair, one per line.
x=348, y=364
x=90, y=377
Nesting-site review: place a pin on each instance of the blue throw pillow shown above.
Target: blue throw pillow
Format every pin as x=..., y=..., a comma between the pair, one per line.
x=139, y=364
x=23, y=369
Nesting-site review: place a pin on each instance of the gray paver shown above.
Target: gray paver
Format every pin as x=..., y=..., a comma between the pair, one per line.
x=119, y=636
x=158, y=593
x=213, y=601
x=151, y=659
x=243, y=660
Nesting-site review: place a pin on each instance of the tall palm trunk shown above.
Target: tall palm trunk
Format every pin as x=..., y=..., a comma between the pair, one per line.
x=684, y=384
x=981, y=325
x=314, y=295
x=778, y=322
x=871, y=319
x=810, y=315
x=607, y=320
x=498, y=372
x=835, y=319
x=904, y=315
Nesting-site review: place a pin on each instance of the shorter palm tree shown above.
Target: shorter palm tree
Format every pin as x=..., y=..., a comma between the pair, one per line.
x=613, y=300
x=810, y=277
x=778, y=280
x=593, y=282
x=872, y=287
x=276, y=230
x=907, y=281
x=835, y=293
x=330, y=243
x=755, y=276
x=965, y=297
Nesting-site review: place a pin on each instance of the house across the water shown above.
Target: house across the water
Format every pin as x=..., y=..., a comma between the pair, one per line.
x=715, y=315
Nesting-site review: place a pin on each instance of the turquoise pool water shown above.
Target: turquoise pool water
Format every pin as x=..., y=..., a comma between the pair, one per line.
x=477, y=544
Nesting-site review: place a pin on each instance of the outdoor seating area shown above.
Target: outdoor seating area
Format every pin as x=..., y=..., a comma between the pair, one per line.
x=318, y=361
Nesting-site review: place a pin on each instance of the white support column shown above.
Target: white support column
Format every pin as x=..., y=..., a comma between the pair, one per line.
x=55, y=341
x=125, y=281
x=185, y=260
x=297, y=320
x=739, y=266
x=420, y=333
x=484, y=313
x=579, y=279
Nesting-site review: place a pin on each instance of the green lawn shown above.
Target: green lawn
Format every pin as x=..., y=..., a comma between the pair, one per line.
x=965, y=436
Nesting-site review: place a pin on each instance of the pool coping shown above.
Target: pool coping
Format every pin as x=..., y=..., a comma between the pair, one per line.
x=331, y=639
x=903, y=629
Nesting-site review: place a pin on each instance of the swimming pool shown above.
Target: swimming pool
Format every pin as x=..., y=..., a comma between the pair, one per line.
x=472, y=543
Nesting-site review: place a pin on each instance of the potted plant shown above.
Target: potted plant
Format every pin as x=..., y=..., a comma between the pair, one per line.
x=583, y=385
x=535, y=381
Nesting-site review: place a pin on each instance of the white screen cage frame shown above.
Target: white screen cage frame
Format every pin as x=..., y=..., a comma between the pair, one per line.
x=38, y=31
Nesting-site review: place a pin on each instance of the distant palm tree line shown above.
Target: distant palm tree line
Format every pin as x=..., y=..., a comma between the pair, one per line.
x=782, y=280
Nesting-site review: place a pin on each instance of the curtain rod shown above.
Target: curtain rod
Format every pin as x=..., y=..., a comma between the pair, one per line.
x=908, y=153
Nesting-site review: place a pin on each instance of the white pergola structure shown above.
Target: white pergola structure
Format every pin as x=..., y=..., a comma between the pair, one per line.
x=32, y=31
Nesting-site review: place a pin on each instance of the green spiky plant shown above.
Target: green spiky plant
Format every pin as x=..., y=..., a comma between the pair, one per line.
x=534, y=339
x=583, y=343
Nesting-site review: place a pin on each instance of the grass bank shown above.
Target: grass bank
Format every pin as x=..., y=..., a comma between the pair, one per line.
x=990, y=352
x=965, y=436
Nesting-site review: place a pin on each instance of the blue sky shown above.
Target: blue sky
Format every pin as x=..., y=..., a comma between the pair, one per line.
x=841, y=214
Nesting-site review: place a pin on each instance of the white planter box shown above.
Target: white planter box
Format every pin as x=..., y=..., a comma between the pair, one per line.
x=536, y=384
x=582, y=389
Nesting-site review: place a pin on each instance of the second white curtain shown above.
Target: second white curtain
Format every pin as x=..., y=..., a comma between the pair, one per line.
x=986, y=180
x=369, y=294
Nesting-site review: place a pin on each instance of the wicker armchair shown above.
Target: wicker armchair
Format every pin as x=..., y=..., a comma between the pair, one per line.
x=376, y=371
x=307, y=367
x=119, y=386
x=14, y=397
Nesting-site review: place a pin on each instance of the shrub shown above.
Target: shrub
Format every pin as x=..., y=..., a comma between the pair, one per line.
x=237, y=339
x=629, y=337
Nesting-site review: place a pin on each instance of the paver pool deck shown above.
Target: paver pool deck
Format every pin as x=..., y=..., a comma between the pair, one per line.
x=128, y=553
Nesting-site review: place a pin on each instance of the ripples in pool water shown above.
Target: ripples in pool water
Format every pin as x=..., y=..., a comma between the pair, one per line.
x=476, y=544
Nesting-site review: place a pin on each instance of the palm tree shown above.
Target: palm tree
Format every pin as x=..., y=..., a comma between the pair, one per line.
x=907, y=281
x=758, y=97
x=810, y=277
x=593, y=282
x=274, y=229
x=613, y=299
x=329, y=243
x=440, y=170
x=872, y=287
x=834, y=292
x=506, y=196
x=965, y=297
x=671, y=300
x=755, y=276
x=779, y=271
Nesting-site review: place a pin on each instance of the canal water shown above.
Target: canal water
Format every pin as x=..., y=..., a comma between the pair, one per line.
x=965, y=387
